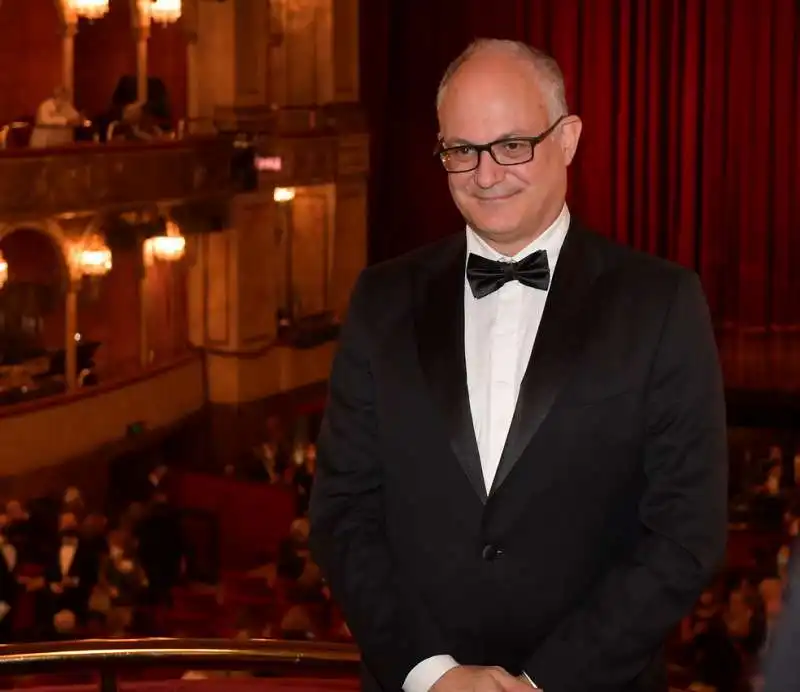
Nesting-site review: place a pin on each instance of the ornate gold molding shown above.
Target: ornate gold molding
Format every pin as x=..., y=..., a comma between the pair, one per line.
x=36, y=184
x=315, y=145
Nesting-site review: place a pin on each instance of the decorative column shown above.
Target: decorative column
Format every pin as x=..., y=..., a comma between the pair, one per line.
x=144, y=342
x=189, y=21
x=68, y=32
x=192, y=81
x=142, y=33
x=71, y=346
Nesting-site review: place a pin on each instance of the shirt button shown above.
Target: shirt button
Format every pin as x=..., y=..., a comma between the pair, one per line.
x=491, y=552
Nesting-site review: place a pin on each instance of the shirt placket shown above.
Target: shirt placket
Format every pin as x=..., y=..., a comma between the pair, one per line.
x=502, y=389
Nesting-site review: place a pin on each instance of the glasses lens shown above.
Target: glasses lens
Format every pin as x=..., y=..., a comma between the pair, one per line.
x=512, y=151
x=459, y=159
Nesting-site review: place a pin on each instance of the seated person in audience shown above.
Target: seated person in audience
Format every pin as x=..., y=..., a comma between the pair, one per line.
x=56, y=119
x=138, y=122
x=9, y=588
x=65, y=624
x=744, y=618
x=15, y=512
x=73, y=502
x=123, y=578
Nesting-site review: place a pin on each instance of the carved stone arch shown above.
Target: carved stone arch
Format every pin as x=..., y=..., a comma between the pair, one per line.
x=48, y=228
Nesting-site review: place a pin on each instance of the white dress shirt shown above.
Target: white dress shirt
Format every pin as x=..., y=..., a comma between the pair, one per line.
x=53, y=120
x=499, y=333
x=66, y=556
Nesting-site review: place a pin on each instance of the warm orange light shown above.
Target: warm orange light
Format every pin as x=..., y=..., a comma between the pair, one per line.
x=165, y=11
x=169, y=247
x=3, y=270
x=91, y=9
x=283, y=194
x=93, y=258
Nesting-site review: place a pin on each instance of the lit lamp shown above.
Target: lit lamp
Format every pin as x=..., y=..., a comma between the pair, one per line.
x=169, y=247
x=165, y=11
x=93, y=258
x=90, y=9
x=283, y=194
x=3, y=270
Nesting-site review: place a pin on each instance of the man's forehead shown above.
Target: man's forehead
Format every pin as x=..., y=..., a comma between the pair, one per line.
x=484, y=124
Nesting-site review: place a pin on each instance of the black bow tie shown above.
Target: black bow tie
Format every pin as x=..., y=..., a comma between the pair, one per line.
x=486, y=276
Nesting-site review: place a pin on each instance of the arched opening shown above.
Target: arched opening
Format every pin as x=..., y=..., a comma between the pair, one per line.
x=32, y=312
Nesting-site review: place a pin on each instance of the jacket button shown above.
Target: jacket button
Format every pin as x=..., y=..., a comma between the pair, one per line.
x=491, y=552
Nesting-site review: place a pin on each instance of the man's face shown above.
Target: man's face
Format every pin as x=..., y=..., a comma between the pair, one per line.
x=495, y=96
x=63, y=96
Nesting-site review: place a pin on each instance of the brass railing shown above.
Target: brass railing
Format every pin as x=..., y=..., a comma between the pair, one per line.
x=109, y=656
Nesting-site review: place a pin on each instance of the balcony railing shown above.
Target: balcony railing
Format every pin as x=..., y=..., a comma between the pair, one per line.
x=111, y=657
x=314, y=145
x=86, y=176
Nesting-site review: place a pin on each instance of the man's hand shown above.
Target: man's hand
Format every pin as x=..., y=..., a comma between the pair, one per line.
x=479, y=679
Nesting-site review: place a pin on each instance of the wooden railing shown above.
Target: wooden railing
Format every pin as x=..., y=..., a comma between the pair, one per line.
x=109, y=657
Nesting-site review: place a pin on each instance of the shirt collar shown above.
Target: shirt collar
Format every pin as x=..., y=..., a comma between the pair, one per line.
x=550, y=241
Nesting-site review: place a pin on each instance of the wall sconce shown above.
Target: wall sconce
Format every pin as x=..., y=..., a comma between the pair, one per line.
x=90, y=9
x=91, y=257
x=165, y=11
x=169, y=247
x=283, y=195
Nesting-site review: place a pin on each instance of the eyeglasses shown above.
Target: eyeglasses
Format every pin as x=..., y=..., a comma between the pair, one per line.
x=510, y=151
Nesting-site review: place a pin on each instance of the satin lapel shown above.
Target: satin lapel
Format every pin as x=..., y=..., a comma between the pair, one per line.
x=557, y=344
x=440, y=340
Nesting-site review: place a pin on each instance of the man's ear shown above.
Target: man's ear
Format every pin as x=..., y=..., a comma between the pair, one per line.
x=570, y=135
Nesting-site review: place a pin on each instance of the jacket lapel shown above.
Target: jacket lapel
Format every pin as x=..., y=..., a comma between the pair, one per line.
x=558, y=341
x=440, y=341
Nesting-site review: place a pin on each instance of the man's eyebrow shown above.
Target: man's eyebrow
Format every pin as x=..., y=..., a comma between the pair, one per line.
x=465, y=142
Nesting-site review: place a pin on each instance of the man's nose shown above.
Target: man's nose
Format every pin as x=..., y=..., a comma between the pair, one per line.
x=488, y=172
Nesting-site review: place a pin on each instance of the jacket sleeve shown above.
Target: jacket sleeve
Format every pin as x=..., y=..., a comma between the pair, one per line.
x=348, y=536
x=610, y=638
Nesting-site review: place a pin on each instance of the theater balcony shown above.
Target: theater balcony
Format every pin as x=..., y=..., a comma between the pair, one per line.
x=96, y=243
x=157, y=665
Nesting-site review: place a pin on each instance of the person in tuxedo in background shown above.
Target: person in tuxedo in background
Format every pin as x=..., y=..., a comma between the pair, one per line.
x=71, y=573
x=521, y=473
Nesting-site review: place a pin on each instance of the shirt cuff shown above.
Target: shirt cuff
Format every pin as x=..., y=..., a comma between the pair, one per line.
x=426, y=673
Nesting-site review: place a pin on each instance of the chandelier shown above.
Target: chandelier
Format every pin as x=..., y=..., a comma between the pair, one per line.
x=165, y=11
x=90, y=9
x=169, y=247
x=3, y=270
x=93, y=258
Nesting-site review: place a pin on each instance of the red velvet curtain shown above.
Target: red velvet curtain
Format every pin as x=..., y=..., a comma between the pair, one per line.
x=690, y=147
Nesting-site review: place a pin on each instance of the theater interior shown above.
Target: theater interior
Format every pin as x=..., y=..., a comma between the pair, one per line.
x=177, y=254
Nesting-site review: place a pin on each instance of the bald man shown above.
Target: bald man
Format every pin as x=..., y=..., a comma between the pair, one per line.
x=522, y=468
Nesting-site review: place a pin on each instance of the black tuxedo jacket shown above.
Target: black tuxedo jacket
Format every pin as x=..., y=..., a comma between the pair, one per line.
x=84, y=567
x=608, y=511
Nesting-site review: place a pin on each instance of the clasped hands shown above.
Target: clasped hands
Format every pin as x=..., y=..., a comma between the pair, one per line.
x=66, y=583
x=480, y=679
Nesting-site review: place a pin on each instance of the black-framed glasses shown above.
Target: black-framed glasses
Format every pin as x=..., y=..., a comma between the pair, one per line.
x=509, y=151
